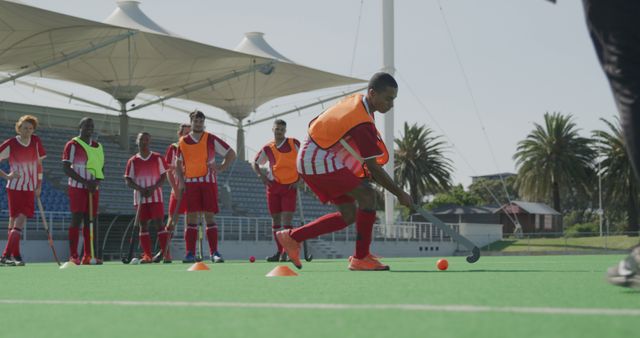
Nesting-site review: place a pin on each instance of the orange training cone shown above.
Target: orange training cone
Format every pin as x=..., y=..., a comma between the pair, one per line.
x=282, y=271
x=199, y=266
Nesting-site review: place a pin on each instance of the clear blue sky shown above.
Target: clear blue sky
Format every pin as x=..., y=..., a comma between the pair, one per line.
x=522, y=59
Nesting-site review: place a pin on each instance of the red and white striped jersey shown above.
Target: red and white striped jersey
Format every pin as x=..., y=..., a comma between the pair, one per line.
x=146, y=172
x=23, y=158
x=75, y=154
x=171, y=158
x=215, y=146
x=313, y=160
x=266, y=155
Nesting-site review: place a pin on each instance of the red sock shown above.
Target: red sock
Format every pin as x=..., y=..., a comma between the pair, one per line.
x=323, y=225
x=163, y=237
x=15, y=246
x=364, y=229
x=11, y=240
x=74, y=238
x=190, y=237
x=145, y=243
x=86, y=238
x=274, y=229
x=212, y=237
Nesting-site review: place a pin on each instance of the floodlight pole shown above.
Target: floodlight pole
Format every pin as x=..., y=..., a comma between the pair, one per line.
x=388, y=46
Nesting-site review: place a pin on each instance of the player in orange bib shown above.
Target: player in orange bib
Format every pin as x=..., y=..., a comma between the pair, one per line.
x=342, y=154
x=197, y=170
x=280, y=179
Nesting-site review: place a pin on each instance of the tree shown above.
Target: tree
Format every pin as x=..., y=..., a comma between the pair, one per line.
x=420, y=163
x=486, y=190
x=455, y=196
x=554, y=157
x=618, y=179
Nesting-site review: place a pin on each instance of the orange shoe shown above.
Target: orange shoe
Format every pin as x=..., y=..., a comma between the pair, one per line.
x=146, y=259
x=86, y=260
x=369, y=263
x=370, y=254
x=291, y=247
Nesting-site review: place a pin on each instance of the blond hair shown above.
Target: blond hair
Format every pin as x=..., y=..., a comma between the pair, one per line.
x=27, y=118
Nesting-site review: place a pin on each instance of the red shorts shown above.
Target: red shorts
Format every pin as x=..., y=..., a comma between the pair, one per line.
x=151, y=211
x=79, y=200
x=201, y=196
x=173, y=201
x=333, y=187
x=281, y=197
x=20, y=202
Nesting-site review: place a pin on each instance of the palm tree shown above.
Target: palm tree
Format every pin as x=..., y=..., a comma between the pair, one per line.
x=618, y=178
x=420, y=162
x=554, y=157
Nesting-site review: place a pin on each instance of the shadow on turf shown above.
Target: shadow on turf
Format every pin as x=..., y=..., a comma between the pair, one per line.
x=485, y=270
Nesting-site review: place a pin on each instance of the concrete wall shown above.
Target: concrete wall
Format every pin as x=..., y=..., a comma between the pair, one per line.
x=481, y=234
x=392, y=249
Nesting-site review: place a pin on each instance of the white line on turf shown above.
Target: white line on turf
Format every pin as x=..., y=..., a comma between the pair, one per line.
x=402, y=307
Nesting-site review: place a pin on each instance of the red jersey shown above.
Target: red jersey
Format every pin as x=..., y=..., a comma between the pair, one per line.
x=23, y=158
x=75, y=154
x=215, y=146
x=266, y=155
x=146, y=172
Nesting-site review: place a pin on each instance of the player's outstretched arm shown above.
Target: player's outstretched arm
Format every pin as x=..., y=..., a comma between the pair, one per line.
x=381, y=177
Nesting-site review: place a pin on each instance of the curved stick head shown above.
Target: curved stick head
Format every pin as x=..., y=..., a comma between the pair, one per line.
x=308, y=258
x=125, y=260
x=475, y=255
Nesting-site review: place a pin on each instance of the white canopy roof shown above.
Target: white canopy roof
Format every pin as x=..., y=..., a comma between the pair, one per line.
x=130, y=54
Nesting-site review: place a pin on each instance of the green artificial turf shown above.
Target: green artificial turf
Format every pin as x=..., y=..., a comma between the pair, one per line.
x=549, y=282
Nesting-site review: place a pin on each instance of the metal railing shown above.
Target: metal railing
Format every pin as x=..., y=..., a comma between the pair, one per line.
x=58, y=222
x=236, y=228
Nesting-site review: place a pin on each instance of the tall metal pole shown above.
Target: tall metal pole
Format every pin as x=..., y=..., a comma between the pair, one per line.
x=600, y=211
x=388, y=47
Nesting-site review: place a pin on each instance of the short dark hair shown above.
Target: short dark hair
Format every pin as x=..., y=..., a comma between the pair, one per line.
x=280, y=122
x=380, y=81
x=140, y=134
x=83, y=121
x=196, y=114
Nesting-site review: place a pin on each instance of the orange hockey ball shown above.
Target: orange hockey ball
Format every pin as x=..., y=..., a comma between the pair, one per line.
x=442, y=264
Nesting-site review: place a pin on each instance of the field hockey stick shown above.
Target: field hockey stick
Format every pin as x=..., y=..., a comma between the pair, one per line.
x=307, y=257
x=475, y=251
x=46, y=228
x=135, y=229
x=173, y=224
x=93, y=260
